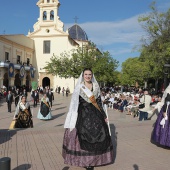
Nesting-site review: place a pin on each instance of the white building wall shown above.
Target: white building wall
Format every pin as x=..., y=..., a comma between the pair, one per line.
x=59, y=44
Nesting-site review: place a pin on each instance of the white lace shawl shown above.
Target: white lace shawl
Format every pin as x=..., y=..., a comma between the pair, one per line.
x=167, y=90
x=72, y=114
x=21, y=106
x=96, y=93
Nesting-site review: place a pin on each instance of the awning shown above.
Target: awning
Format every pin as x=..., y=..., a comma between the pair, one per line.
x=16, y=66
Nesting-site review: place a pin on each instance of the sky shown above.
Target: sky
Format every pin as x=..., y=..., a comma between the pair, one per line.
x=111, y=24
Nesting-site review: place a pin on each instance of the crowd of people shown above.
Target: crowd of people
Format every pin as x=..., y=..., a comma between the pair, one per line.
x=132, y=102
x=23, y=115
x=144, y=104
x=64, y=91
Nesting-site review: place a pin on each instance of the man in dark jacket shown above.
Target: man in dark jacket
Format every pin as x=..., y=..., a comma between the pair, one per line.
x=59, y=89
x=9, y=100
x=35, y=96
x=50, y=95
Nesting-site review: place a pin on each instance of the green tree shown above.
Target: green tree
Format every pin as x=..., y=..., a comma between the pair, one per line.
x=71, y=64
x=134, y=71
x=155, y=49
x=104, y=67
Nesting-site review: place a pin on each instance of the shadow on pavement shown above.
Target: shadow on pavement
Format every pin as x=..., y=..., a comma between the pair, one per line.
x=57, y=104
x=23, y=167
x=59, y=125
x=58, y=115
x=59, y=108
x=6, y=134
x=136, y=167
x=66, y=168
x=114, y=139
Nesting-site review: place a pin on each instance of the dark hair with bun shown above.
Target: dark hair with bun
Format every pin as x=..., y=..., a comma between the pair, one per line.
x=87, y=69
x=23, y=96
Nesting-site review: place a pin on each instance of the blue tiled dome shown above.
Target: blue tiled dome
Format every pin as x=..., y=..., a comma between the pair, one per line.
x=77, y=33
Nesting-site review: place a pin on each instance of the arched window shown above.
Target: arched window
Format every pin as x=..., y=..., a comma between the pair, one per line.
x=52, y=15
x=48, y=1
x=44, y=15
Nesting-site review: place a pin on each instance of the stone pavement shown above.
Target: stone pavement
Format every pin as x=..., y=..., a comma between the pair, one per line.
x=40, y=148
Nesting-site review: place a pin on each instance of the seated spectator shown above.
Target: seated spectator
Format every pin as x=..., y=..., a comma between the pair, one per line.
x=117, y=103
x=135, y=108
x=5, y=93
x=123, y=104
x=111, y=101
x=130, y=105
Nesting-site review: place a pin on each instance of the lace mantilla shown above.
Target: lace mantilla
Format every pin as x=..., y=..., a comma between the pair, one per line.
x=73, y=109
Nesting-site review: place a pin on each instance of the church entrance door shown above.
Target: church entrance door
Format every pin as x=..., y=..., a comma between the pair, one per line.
x=46, y=82
x=17, y=81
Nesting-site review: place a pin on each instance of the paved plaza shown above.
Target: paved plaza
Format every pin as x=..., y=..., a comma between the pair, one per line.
x=40, y=148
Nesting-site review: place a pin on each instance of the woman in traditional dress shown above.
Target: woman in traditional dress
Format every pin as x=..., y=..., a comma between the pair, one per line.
x=87, y=140
x=44, y=112
x=23, y=116
x=161, y=132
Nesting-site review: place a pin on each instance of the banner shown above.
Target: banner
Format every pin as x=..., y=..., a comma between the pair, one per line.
x=22, y=72
x=11, y=70
x=34, y=85
x=32, y=72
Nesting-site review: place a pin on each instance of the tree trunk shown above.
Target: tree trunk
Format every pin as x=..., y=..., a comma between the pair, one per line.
x=137, y=84
x=165, y=81
x=146, y=85
x=156, y=85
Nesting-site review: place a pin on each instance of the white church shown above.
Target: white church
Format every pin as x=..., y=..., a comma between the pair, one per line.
x=24, y=57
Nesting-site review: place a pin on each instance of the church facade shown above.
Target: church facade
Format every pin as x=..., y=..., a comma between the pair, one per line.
x=35, y=50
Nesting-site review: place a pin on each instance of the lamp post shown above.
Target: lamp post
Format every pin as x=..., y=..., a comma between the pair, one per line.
x=166, y=72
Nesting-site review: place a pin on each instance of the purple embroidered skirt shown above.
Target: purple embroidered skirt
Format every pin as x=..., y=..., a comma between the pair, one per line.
x=161, y=135
x=75, y=156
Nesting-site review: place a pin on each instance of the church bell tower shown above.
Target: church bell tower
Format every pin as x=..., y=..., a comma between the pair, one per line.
x=48, y=17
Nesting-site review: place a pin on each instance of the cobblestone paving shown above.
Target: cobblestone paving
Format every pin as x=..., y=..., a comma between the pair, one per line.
x=40, y=148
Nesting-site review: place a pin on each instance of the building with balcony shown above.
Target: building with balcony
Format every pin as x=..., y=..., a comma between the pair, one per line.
x=18, y=50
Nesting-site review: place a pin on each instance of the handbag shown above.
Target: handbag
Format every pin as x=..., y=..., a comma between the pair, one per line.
x=141, y=106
